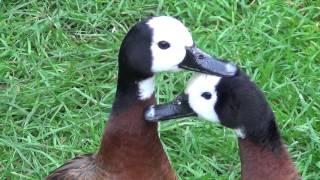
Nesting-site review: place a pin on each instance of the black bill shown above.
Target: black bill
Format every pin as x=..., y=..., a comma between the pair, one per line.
x=199, y=61
x=175, y=109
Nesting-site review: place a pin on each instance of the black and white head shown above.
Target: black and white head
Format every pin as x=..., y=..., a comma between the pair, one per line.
x=163, y=43
x=235, y=102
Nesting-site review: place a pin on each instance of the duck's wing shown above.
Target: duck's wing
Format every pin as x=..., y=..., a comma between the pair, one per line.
x=81, y=167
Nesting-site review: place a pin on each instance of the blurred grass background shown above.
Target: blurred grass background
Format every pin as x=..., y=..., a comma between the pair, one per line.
x=58, y=64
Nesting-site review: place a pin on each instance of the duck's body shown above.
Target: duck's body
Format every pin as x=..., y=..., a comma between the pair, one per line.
x=130, y=148
x=237, y=103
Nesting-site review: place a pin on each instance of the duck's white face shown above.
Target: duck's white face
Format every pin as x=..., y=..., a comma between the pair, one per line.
x=169, y=41
x=202, y=95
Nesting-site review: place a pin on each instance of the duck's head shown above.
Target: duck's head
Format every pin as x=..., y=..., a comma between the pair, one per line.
x=163, y=43
x=235, y=102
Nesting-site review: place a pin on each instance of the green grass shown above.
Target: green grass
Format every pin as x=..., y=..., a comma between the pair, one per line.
x=58, y=75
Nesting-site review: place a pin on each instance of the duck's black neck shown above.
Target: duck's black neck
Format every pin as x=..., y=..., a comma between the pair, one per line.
x=127, y=88
x=241, y=104
x=267, y=136
x=127, y=92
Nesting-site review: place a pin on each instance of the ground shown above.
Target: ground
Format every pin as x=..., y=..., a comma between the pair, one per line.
x=58, y=64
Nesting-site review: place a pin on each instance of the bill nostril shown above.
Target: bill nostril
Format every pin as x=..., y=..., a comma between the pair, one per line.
x=200, y=56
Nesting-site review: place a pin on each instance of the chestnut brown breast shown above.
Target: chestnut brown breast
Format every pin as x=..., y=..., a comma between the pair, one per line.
x=130, y=149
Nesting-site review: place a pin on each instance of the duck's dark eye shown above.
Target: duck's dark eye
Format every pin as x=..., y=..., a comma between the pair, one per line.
x=163, y=45
x=206, y=95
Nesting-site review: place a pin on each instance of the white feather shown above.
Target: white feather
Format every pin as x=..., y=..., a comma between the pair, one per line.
x=240, y=133
x=146, y=88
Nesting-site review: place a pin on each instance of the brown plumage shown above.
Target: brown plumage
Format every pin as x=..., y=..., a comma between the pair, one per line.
x=130, y=149
x=258, y=162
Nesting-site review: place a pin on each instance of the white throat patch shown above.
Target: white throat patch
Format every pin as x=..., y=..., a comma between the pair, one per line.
x=198, y=85
x=172, y=31
x=240, y=133
x=146, y=88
